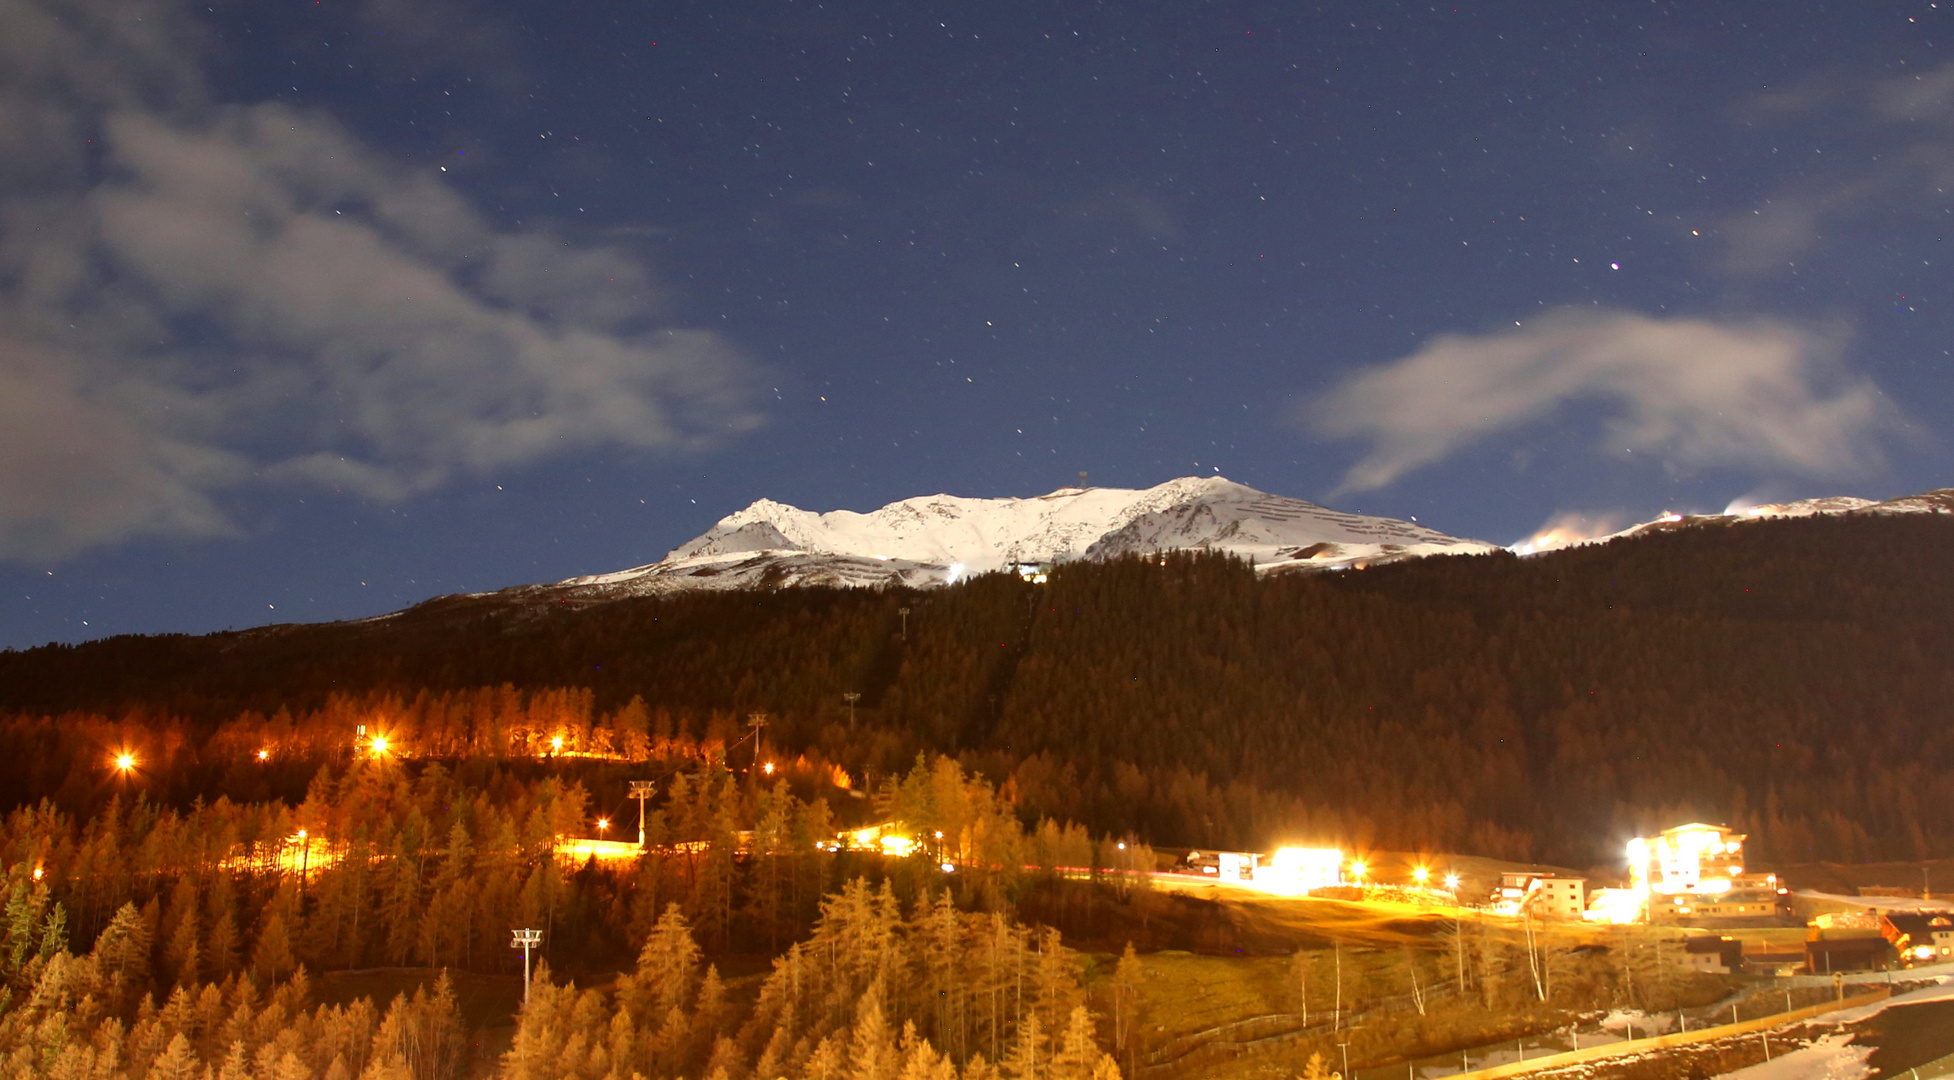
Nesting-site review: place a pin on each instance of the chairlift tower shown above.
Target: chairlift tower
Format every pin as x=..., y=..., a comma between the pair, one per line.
x=641, y=790
x=526, y=939
x=758, y=722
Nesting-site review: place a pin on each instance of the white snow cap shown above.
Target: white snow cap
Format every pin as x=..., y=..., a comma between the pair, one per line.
x=919, y=540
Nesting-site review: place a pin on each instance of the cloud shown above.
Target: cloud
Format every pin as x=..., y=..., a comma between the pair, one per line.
x=1904, y=127
x=235, y=295
x=1692, y=392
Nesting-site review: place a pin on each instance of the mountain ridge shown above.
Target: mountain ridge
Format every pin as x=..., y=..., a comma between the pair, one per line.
x=1935, y=501
x=933, y=540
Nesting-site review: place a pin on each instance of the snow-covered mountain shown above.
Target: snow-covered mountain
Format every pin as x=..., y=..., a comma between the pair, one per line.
x=1938, y=501
x=937, y=539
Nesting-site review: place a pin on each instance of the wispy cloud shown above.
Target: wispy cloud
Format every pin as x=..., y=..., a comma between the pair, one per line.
x=241, y=295
x=1690, y=392
x=1905, y=127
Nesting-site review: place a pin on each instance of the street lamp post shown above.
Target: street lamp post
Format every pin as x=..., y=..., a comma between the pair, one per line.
x=641, y=790
x=526, y=939
x=851, y=697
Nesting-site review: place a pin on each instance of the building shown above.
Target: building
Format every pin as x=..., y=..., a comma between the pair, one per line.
x=1696, y=872
x=1299, y=870
x=1545, y=896
x=1827, y=955
x=1223, y=865
x=1236, y=865
x=1716, y=955
x=1920, y=937
x=1847, y=920
x=1560, y=897
x=1774, y=964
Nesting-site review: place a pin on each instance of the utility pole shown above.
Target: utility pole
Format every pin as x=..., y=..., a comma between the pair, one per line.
x=851, y=697
x=526, y=939
x=904, y=612
x=641, y=790
x=758, y=722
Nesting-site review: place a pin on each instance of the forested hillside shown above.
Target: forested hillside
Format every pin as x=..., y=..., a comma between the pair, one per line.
x=1789, y=677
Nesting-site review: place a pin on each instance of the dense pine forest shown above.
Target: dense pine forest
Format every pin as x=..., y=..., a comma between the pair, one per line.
x=199, y=832
x=1788, y=677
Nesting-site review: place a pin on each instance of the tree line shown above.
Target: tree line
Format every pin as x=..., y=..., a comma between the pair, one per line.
x=1785, y=677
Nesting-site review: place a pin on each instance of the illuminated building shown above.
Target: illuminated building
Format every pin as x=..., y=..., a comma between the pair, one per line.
x=1544, y=896
x=1696, y=872
x=1035, y=572
x=1921, y=937
x=1299, y=870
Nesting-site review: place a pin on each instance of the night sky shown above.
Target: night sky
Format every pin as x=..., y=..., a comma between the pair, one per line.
x=312, y=310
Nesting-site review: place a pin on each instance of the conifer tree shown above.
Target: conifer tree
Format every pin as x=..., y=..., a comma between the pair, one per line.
x=872, y=1049
x=177, y=1062
x=271, y=957
x=1028, y=1059
x=667, y=970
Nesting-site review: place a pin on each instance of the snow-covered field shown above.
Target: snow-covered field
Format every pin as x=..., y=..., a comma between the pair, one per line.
x=1837, y=1056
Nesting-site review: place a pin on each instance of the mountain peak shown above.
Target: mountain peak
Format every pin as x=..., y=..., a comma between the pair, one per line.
x=935, y=539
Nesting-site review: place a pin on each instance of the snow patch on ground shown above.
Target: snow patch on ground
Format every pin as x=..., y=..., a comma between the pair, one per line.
x=1943, y=991
x=1830, y=1057
x=1622, y=1021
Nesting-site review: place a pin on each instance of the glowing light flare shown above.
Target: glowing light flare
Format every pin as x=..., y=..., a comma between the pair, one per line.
x=897, y=845
x=556, y=744
x=1452, y=882
x=264, y=755
x=767, y=768
x=1299, y=870
x=125, y=761
x=379, y=745
x=603, y=823
x=1357, y=870
x=1615, y=907
x=39, y=873
x=1420, y=874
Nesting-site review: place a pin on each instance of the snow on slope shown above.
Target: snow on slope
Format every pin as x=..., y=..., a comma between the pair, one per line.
x=936, y=539
x=1938, y=501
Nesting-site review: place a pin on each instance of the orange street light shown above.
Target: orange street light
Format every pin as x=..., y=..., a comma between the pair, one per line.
x=379, y=745
x=1357, y=870
x=1452, y=882
x=1419, y=874
x=264, y=755
x=603, y=823
x=767, y=768
x=556, y=744
x=125, y=761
